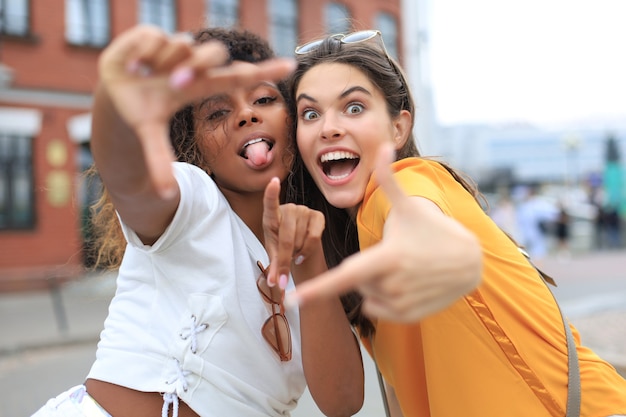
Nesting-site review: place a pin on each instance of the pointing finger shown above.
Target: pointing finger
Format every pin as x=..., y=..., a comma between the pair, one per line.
x=384, y=175
x=271, y=203
x=281, y=260
x=271, y=224
x=224, y=78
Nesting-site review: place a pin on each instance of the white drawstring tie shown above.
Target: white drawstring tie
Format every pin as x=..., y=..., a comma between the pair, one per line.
x=192, y=332
x=170, y=398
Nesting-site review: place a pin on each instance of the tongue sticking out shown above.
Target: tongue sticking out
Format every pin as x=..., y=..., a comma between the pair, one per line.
x=258, y=152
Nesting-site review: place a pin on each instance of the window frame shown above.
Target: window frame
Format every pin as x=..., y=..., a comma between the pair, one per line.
x=390, y=37
x=337, y=18
x=25, y=21
x=222, y=13
x=81, y=17
x=11, y=164
x=283, y=26
x=148, y=15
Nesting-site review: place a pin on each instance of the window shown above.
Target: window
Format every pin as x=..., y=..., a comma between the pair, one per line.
x=17, y=207
x=283, y=26
x=337, y=18
x=223, y=13
x=14, y=17
x=87, y=22
x=161, y=13
x=18, y=127
x=386, y=23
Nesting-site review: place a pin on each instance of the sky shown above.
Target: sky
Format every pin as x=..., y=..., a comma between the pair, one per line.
x=537, y=61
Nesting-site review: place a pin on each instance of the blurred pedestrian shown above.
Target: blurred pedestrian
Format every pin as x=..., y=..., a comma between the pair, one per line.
x=535, y=217
x=504, y=214
x=613, y=227
x=562, y=232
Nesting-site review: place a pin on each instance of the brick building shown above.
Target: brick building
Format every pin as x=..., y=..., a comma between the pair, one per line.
x=48, y=54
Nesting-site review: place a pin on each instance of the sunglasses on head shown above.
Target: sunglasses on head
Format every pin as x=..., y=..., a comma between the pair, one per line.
x=354, y=37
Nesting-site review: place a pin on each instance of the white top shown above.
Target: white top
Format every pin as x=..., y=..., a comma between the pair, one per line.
x=187, y=315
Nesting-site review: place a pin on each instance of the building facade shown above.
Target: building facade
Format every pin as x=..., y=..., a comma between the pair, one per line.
x=48, y=55
x=526, y=154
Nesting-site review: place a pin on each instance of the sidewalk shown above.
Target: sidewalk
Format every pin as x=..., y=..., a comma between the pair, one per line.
x=43, y=318
x=600, y=320
x=40, y=319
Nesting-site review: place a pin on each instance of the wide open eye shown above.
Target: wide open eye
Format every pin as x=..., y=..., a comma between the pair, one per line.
x=354, y=108
x=310, y=114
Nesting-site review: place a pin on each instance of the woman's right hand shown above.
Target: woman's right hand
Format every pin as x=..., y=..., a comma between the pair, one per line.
x=425, y=261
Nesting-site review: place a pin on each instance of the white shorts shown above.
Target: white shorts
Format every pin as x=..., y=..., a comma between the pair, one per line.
x=74, y=402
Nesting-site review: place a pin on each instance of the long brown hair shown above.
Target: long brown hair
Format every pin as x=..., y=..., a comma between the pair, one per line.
x=108, y=241
x=340, y=238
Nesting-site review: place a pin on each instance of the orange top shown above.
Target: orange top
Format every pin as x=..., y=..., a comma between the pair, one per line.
x=499, y=351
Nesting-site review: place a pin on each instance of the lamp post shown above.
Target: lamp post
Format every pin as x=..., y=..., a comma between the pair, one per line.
x=571, y=143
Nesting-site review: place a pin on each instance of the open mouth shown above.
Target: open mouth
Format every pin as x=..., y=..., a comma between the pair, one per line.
x=257, y=150
x=339, y=164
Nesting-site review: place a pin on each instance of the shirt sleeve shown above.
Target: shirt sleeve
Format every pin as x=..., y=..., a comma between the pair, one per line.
x=198, y=193
x=417, y=177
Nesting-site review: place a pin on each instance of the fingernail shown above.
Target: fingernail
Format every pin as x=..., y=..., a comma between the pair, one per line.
x=270, y=283
x=184, y=36
x=299, y=259
x=181, y=77
x=291, y=299
x=282, y=282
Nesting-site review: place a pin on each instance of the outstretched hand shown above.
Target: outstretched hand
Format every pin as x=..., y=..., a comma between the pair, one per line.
x=292, y=234
x=148, y=75
x=425, y=261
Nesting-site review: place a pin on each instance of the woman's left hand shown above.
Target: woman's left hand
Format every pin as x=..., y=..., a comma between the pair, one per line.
x=292, y=234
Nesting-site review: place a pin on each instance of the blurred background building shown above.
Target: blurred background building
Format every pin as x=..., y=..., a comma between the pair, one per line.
x=48, y=56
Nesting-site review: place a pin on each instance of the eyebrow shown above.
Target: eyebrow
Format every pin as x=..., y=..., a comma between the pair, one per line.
x=346, y=93
x=213, y=99
x=224, y=97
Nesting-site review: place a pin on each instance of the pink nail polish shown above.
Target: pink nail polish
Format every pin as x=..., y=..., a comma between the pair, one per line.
x=282, y=281
x=180, y=78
